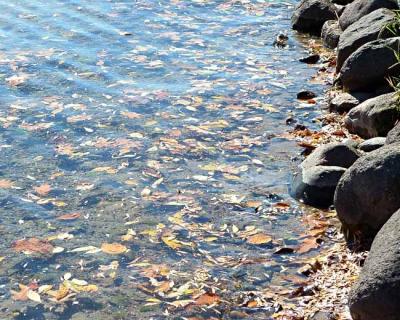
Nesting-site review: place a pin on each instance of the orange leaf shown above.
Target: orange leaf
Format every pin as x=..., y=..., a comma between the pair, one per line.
x=259, y=238
x=6, y=184
x=33, y=245
x=69, y=216
x=42, y=190
x=307, y=245
x=113, y=248
x=207, y=299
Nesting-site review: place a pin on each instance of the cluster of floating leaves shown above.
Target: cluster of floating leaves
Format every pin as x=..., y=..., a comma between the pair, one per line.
x=145, y=164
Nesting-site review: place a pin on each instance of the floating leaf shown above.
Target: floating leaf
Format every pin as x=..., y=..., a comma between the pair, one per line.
x=207, y=299
x=113, y=248
x=43, y=190
x=307, y=245
x=259, y=238
x=33, y=245
x=69, y=216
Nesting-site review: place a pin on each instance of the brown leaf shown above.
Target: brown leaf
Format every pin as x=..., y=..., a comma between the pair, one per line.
x=259, y=238
x=42, y=190
x=69, y=216
x=207, y=299
x=33, y=245
x=307, y=245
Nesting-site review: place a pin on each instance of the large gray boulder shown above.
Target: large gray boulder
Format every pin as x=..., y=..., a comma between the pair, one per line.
x=359, y=8
x=374, y=117
x=393, y=135
x=365, y=30
x=330, y=34
x=370, y=65
x=332, y=154
x=310, y=15
x=316, y=186
x=376, y=295
x=368, y=192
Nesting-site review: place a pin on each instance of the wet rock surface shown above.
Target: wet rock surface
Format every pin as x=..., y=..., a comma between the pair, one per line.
x=316, y=186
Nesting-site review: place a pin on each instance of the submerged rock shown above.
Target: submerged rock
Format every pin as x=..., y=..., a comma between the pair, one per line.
x=330, y=34
x=359, y=8
x=310, y=15
x=394, y=135
x=368, y=28
x=368, y=192
x=376, y=295
x=332, y=154
x=374, y=117
x=372, y=144
x=306, y=95
x=312, y=59
x=370, y=65
x=315, y=186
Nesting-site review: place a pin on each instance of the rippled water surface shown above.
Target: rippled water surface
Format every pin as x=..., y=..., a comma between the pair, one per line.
x=142, y=168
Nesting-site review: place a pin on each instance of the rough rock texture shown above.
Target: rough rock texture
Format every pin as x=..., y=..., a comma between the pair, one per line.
x=376, y=295
x=342, y=2
x=370, y=65
x=372, y=144
x=368, y=192
x=393, y=135
x=374, y=117
x=330, y=34
x=310, y=15
x=359, y=8
x=368, y=28
x=343, y=102
x=316, y=186
x=332, y=154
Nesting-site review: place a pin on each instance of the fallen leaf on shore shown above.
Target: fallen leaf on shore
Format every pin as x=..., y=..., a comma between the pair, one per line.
x=113, y=248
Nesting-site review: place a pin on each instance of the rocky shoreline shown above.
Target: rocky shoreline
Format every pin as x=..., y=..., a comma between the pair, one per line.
x=360, y=175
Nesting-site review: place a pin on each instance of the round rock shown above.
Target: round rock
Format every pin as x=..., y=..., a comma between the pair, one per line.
x=368, y=192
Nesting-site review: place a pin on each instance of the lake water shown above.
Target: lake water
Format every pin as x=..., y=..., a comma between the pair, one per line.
x=142, y=152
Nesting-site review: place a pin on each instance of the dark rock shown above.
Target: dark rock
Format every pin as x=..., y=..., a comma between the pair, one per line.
x=339, y=9
x=359, y=8
x=343, y=102
x=365, y=30
x=332, y=154
x=342, y=2
x=316, y=186
x=310, y=15
x=394, y=135
x=372, y=144
x=368, y=192
x=374, y=117
x=314, y=58
x=330, y=34
x=370, y=65
x=376, y=294
x=306, y=95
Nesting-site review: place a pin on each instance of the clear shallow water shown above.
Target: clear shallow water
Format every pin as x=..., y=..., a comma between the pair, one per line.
x=157, y=122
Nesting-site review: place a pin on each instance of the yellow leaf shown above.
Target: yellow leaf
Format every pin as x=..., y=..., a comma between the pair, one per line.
x=171, y=242
x=34, y=296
